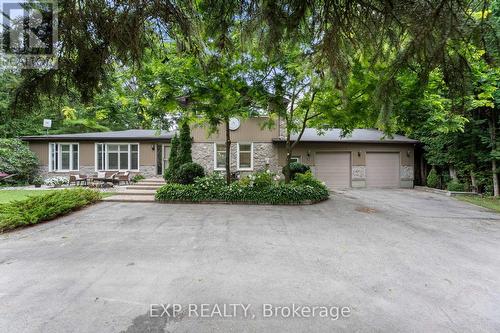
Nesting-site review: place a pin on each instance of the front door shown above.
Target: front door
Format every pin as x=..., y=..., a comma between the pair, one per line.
x=162, y=154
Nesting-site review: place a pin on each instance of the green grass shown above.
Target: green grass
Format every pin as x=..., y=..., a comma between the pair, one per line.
x=487, y=202
x=44, y=207
x=11, y=195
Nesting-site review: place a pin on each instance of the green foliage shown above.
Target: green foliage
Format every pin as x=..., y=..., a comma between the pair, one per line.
x=137, y=178
x=188, y=172
x=455, y=186
x=37, y=181
x=307, y=179
x=80, y=126
x=213, y=188
x=259, y=179
x=433, y=178
x=16, y=158
x=173, y=164
x=296, y=168
x=44, y=207
x=185, y=142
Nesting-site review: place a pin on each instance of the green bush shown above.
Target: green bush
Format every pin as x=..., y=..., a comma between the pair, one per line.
x=185, y=142
x=433, y=179
x=303, y=179
x=170, y=173
x=455, y=186
x=16, y=158
x=35, y=209
x=188, y=172
x=296, y=168
x=138, y=178
x=213, y=188
x=259, y=179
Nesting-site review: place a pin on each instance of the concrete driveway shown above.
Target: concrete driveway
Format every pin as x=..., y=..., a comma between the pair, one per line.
x=400, y=260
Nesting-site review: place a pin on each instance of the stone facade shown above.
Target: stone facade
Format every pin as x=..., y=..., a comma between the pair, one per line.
x=265, y=156
x=406, y=172
x=359, y=172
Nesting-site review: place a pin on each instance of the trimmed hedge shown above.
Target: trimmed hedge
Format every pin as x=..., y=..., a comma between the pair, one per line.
x=36, y=209
x=188, y=172
x=212, y=189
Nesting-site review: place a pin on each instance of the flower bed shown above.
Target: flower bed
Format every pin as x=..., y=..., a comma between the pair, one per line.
x=35, y=209
x=261, y=188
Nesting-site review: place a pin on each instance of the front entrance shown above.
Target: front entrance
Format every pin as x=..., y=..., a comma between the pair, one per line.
x=162, y=154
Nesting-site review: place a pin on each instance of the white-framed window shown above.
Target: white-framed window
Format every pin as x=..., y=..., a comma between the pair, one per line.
x=219, y=156
x=117, y=156
x=64, y=156
x=295, y=159
x=245, y=156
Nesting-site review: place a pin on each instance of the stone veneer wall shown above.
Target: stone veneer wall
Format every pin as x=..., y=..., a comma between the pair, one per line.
x=203, y=154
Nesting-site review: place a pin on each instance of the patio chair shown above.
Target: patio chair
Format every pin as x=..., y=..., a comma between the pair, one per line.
x=122, y=177
x=78, y=179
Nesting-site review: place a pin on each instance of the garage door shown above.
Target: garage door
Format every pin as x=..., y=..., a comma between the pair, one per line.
x=382, y=169
x=334, y=169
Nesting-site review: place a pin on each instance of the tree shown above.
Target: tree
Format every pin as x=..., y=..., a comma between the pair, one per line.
x=173, y=160
x=185, y=141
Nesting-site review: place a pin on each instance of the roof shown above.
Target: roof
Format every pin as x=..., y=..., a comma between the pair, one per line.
x=133, y=134
x=356, y=136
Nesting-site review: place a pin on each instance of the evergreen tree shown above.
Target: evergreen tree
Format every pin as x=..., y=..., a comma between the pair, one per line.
x=185, y=141
x=173, y=160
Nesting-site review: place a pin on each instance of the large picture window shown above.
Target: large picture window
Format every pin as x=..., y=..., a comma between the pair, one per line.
x=117, y=156
x=245, y=156
x=220, y=156
x=64, y=157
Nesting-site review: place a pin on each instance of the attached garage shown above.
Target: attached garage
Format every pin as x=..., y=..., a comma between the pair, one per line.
x=334, y=169
x=382, y=169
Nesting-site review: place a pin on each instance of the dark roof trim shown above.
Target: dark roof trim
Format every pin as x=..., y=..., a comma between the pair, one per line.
x=413, y=142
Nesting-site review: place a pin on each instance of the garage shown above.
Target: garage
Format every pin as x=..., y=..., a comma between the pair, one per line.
x=334, y=169
x=382, y=169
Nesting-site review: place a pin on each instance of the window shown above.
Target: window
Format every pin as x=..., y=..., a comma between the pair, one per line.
x=64, y=157
x=219, y=156
x=245, y=156
x=117, y=156
x=295, y=159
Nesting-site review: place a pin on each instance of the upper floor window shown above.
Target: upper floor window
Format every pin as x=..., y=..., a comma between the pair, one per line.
x=117, y=156
x=64, y=157
x=245, y=156
x=219, y=156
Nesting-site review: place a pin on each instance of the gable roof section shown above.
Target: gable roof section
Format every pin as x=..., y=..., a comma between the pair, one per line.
x=128, y=135
x=356, y=136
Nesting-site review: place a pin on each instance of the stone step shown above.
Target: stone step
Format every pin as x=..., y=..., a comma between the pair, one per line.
x=136, y=192
x=130, y=198
x=150, y=184
x=152, y=180
x=143, y=187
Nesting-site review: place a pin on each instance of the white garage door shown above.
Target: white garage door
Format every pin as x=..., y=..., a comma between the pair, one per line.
x=334, y=169
x=382, y=169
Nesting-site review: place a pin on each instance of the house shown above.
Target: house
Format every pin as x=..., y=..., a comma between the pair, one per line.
x=366, y=158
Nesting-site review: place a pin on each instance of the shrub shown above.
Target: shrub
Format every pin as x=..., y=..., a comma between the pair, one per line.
x=433, y=179
x=40, y=208
x=185, y=141
x=137, y=178
x=38, y=181
x=296, y=168
x=188, y=172
x=16, y=158
x=455, y=186
x=173, y=166
x=213, y=188
x=56, y=181
x=307, y=179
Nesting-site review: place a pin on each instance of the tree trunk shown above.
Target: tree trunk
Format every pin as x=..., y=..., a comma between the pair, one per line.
x=493, y=136
x=473, y=181
x=453, y=173
x=286, y=170
x=228, y=152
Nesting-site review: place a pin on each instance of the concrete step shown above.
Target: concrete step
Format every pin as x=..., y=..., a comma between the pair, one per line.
x=143, y=187
x=136, y=192
x=150, y=184
x=152, y=180
x=130, y=198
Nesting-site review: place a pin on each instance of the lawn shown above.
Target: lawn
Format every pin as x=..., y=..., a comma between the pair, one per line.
x=487, y=202
x=10, y=195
